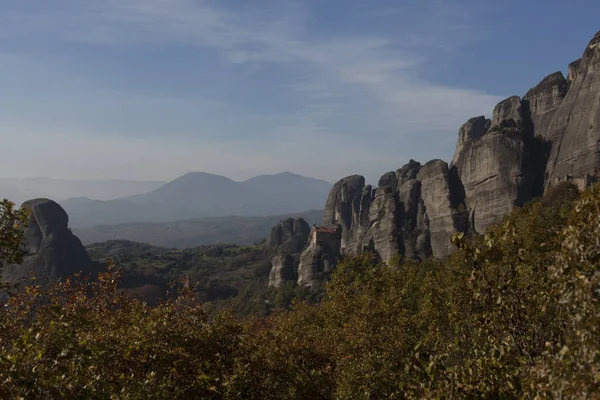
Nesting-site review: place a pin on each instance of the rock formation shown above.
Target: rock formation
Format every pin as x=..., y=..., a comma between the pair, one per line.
x=382, y=232
x=548, y=135
x=389, y=179
x=499, y=168
x=410, y=213
x=321, y=255
x=408, y=171
x=286, y=241
x=289, y=236
x=509, y=114
x=415, y=242
x=490, y=170
x=343, y=207
x=544, y=99
x=574, y=129
x=52, y=251
x=471, y=130
x=283, y=270
x=437, y=198
x=551, y=134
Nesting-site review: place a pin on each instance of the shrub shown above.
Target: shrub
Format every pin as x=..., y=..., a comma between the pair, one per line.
x=513, y=313
x=81, y=339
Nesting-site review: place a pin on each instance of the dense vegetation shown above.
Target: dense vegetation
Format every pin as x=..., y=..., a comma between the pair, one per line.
x=514, y=313
x=223, y=276
x=11, y=236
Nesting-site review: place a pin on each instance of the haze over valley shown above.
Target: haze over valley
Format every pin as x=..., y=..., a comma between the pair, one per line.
x=19, y=190
x=199, y=194
x=195, y=209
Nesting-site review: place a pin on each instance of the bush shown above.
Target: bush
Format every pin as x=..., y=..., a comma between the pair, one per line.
x=513, y=313
x=81, y=339
x=571, y=368
x=11, y=234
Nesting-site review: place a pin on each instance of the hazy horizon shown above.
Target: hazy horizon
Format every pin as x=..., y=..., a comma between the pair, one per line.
x=149, y=90
x=20, y=190
x=7, y=178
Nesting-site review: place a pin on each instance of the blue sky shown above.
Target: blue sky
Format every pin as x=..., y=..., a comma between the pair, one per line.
x=152, y=89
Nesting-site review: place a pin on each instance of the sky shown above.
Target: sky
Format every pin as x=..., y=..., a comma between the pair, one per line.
x=153, y=89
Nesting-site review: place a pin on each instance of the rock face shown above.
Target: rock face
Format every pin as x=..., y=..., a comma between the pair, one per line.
x=390, y=180
x=471, y=130
x=503, y=166
x=321, y=255
x=286, y=241
x=412, y=225
x=438, y=201
x=382, y=232
x=52, y=251
x=574, y=129
x=283, y=270
x=495, y=175
x=551, y=134
x=289, y=236
x=544, y=99
x=316, y=263
x=411, y=215
x=509, y=114
x=408, y=171
x=343, y=207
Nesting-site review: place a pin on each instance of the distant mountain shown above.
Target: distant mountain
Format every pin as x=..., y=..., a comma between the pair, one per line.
x=193, y=232
x=293, y=192
x=20, y=190
x=200, y=195
x=18, y=194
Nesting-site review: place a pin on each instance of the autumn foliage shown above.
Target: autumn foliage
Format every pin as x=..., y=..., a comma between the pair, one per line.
x=513, y=313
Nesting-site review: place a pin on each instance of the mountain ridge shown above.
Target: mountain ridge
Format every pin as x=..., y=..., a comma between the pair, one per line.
x=19, y=190
x=201, y=195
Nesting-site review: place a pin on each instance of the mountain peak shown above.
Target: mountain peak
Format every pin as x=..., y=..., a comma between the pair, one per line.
x=200, y=174
x=201, y=194
x=287, y=173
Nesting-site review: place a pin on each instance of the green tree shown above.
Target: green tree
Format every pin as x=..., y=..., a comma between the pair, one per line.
x=572, y=365
x=11, y=232
x=82, y=339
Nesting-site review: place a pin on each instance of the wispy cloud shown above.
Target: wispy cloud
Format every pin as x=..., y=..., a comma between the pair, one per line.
x=352, y=84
